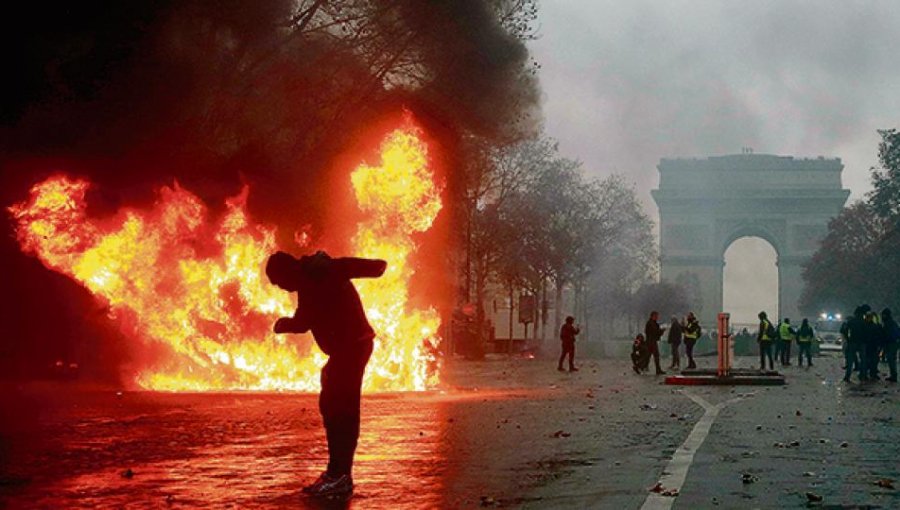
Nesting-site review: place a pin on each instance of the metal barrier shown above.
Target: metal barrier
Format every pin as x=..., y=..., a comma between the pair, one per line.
x=725, y=345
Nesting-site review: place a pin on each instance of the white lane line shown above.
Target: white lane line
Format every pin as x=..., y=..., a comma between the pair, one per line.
x=676, y=470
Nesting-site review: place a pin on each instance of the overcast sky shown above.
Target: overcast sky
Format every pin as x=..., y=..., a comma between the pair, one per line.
x=628, y=82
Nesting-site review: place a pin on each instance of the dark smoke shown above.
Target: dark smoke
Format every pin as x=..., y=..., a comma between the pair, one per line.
x=134, y=95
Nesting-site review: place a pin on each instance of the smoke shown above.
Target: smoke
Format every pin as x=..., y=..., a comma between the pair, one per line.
x=283, y=96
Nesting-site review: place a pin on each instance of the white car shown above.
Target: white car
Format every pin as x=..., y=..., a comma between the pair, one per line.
x=830, y=342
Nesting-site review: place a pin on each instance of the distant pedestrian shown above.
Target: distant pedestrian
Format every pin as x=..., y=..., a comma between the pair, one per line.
x=691, y=332
x=805, y=337
x=675, y=331
x=891, y=341
x=653, y=333
x=873, y=343
x=765, y=336
x=786, y=334
x=854, y=355
x=567, y=336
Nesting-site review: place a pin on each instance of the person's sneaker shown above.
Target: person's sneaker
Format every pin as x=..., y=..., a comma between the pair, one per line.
x=561, y=369
x=334, y=488
x=309, y=489
x=660, y=372
x=573, y=369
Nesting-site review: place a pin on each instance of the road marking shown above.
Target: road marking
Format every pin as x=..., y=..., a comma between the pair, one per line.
x=676, y=470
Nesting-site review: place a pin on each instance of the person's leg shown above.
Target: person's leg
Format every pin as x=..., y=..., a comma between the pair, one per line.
x=873, y=361
x=689, y=351
x=562, y=357
x=769, y=355
x=572, y=357
x=762, y=355
x=787, y=351
x=891, y=353
x=341, y=407
x=809, y=354
x=849, y=362
x=654, y=351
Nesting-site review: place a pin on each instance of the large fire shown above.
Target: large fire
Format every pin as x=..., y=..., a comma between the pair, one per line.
x=176, y=278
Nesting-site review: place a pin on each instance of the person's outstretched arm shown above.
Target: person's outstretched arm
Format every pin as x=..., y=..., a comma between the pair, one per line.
x=354, y=267
x=296, y=324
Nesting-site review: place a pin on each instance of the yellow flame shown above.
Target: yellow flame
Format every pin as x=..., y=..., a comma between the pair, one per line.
x=175, y=277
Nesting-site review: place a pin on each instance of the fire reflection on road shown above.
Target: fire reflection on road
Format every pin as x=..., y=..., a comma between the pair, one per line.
x=226, y=450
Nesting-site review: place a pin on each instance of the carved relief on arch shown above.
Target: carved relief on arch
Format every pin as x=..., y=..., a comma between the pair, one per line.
x=688, y=237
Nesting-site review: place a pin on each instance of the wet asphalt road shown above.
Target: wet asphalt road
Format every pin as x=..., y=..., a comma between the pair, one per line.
x=508, y=433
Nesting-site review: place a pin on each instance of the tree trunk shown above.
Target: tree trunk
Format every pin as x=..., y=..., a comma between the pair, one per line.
x=557, y=307
x=512, y=308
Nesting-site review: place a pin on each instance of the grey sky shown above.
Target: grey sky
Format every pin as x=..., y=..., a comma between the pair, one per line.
x=628, y=82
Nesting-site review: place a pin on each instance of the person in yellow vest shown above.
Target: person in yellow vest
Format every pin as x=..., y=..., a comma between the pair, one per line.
x=805, y=336
x=787, y=335
x=691, y=333
x=764, y=337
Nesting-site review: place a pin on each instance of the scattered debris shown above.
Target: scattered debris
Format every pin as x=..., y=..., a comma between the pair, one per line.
x=662, y=491
x=759, y=427
x=845, y=444
x=560, y=433
x=799, y=413
x=814, y=498
x=648, y=407
x=488, y=501
x=170, y=499
x=809, y=474
x=748, y=478
x=824, y=441
x=128, y=473
x=795, y=443
x=885, y=483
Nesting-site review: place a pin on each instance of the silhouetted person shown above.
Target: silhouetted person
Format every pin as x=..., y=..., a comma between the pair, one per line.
x=805, y=337
x=640, y=357
x=765, y=336
x=329, y=306
x=567, y=336
x=854, y=355
x=675, y=341
x=691, y=333
x=891, y=341
x=874, y=339
x=653, y=333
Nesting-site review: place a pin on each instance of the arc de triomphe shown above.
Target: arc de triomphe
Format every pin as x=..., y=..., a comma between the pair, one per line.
x=706, y=204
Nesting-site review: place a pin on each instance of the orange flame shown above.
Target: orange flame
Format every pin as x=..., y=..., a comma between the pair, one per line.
x=172, y=276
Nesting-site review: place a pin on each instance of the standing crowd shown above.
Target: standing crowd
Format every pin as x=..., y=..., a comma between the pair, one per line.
x=867, y=339
x=646, y=345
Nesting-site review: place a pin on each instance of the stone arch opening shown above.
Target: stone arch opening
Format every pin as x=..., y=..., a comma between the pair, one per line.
x=749, y=280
